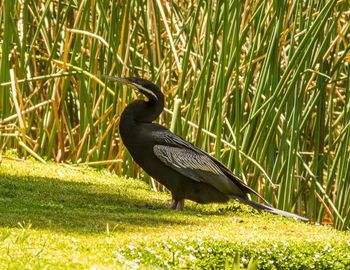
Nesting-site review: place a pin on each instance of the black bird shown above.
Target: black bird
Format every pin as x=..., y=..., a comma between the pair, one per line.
x=187, y=171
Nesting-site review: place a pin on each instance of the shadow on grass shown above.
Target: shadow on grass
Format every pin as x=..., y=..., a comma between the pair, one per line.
x=50, y=203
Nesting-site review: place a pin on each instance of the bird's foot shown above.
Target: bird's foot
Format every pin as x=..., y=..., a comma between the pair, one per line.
x=173, y=204
x=180, y=205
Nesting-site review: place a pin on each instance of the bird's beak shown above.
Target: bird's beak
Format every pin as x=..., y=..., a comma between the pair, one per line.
x=118, y=79
x=125, y=81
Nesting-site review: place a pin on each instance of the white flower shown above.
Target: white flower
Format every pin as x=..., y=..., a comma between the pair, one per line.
x=150, y=250
x=191, y=248
x=192, y=258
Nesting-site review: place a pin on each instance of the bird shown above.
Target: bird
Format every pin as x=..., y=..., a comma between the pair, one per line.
x=184, y=169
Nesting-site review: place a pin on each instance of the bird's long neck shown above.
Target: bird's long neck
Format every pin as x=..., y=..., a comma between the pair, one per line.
x=143, y=111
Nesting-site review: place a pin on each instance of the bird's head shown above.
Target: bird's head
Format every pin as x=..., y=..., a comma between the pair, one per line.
x=145, y=87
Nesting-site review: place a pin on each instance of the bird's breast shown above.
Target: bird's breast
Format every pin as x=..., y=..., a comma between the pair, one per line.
x=138, y=140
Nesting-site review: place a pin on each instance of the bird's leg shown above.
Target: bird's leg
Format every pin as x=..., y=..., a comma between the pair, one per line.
x=180, y=205
x=173, y=204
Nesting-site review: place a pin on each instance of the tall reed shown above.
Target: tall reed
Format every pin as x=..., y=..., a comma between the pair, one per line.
x=264, y=86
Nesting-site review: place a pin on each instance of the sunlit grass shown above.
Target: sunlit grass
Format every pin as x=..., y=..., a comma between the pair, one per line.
x=56, y=216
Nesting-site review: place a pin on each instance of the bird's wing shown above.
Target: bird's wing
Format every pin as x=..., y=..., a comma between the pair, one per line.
x=198, y=165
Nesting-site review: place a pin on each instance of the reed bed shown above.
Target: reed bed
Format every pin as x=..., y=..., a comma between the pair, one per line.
x=261, y=85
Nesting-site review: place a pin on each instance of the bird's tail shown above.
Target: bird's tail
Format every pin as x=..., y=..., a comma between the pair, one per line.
x=268, y=208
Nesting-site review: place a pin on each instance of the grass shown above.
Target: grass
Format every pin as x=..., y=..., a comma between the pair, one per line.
x=53, y=216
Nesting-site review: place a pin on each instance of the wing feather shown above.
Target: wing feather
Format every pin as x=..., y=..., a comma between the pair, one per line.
x=198, y=165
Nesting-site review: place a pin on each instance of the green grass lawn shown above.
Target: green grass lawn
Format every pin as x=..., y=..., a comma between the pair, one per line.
x=52, y=216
